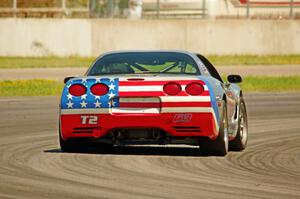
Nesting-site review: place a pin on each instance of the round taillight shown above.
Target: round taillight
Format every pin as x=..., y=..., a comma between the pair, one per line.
x=172, y=88
x=194, y=89
x=77, y=90
x=99, y=89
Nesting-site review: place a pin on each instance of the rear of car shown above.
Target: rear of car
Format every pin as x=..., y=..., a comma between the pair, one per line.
x=126, y=98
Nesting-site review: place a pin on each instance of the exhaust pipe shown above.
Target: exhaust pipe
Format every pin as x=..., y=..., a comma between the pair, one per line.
x=156, y=135
x=117, y=135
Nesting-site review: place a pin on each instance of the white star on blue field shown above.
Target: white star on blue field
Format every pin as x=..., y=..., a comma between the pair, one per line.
x=89, y=100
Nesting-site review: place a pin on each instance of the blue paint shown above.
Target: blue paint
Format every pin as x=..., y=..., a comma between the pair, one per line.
x=89, y=100
x=213, y=97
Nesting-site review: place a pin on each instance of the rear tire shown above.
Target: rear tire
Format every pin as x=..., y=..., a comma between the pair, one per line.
x=70, y=146
x=240, y=141
x=219, y=146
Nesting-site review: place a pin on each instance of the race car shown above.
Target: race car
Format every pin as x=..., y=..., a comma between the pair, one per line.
x=153, y=97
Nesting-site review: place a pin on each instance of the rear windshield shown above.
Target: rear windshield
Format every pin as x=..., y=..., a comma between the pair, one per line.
x=145, y=62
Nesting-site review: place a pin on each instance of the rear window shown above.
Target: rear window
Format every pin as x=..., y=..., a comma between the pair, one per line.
x=145, y=62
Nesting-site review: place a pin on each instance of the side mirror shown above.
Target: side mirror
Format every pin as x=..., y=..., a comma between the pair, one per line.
x=66, y=79
x=234, y=79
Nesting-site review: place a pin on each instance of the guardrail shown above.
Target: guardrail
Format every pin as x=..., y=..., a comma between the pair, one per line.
x=152, y=8
x=181, y=10
x=287, y=4
x=61, y=10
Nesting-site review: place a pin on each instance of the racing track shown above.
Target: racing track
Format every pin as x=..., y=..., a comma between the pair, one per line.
x=32, y=166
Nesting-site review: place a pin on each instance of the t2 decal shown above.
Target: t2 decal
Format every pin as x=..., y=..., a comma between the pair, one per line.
x=89, y=119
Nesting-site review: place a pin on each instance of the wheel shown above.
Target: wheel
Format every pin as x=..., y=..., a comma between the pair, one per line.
x=69, y=146
x=65, y=146
x=219, y=146
x=240, y=141
x=81, y=146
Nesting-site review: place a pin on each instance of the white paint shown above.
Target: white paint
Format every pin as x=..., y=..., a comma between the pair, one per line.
x=44, y=37
x=135, y=110
x=212, y=8
x=185, y=98
x=140, y=99
x=91, y=37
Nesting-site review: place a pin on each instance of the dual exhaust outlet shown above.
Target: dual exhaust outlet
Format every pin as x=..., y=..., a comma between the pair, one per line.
x=155, y=134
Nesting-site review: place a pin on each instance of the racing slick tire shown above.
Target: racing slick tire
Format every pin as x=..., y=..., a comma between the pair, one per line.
x=70, y=146
x=77, y=147
x=239, y=143
x=219, y=146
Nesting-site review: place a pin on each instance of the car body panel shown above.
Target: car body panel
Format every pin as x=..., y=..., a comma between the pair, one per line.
x=135, y=99
x=138, y=101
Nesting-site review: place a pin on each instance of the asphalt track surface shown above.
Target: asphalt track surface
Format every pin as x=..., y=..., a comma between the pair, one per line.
x=32, y=165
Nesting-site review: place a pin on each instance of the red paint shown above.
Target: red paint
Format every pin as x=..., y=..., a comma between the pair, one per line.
x=182, y=117
x=156, y=83
x=164, y=121
x=141, y=93
x=186, y=104
x=153, y=93
x=135, y=79
x=140, y=104
x=164, y=104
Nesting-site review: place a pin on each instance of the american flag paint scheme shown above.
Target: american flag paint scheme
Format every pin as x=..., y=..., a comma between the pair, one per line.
x=134, y=97
x=163, y=107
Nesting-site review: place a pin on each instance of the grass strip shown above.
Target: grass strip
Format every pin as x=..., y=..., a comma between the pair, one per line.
x=44, y=62
x=63, y=62
x=271, y=84
x=36, y=87
x=237, y=60
x=40, y=87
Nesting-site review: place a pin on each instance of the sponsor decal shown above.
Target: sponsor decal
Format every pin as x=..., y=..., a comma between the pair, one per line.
x=185, y=117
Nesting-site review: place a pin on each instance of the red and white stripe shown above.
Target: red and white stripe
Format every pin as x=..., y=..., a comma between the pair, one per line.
x=147, y=97
x=154, y=100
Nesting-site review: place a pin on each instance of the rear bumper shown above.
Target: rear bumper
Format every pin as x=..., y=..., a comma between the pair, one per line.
x=173, y=124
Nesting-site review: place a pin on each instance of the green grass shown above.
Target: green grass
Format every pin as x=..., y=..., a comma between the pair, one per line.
x=39, y=87
x=271, y=84
x=50, y=62
x=44, y=62
x=36, y=87
x=236, y=60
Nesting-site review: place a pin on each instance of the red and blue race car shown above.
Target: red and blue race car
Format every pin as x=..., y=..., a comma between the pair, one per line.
x=155, y=97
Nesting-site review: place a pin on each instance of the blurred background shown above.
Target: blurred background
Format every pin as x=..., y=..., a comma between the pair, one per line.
x=90, y=27
x=50, y=39
x=262, y=9
x=43, y=41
